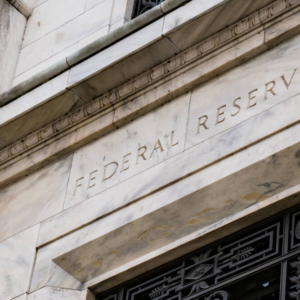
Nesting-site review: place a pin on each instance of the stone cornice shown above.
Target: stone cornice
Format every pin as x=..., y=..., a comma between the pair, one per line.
x=22, y=7
x=146, y=80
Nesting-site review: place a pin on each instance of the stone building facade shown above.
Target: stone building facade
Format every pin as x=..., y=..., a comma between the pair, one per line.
x=149, y=149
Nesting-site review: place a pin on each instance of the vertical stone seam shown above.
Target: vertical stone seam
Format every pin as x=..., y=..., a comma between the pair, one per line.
x=68, y=180
x=187, y=121
x=33, y=263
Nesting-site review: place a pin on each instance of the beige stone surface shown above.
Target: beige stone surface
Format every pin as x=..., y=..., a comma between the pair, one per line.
x=244, y=92
x=34, y=198
x=247, y=177
x=42, y=21
x=195, y=159
x=16, y=263
x=128, y=151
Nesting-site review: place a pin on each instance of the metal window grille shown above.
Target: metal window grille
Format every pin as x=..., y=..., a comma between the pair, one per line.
x=141, y=6
x=259, y=263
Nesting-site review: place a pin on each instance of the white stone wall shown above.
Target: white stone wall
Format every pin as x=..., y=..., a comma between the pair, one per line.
x=58, y=28
x=162, y=178
x=109, y=194
x=12, y=25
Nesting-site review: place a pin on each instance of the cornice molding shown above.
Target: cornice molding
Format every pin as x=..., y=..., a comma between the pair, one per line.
x=147, y=79
x=22, y=7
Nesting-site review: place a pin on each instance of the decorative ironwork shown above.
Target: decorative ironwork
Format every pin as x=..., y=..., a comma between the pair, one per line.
x=141, y=6
x=261, y=262
x=242, y=254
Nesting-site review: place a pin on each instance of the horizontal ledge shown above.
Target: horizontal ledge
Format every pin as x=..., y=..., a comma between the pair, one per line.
x=89, y=50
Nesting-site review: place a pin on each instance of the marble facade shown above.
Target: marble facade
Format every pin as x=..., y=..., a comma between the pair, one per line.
x=117, y=165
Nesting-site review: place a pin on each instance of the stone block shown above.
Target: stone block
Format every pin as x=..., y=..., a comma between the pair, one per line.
x=42, y=21
x=16, y=262
x=34, y=198
x=82, y=26
x=35, y=53
x=130, y=150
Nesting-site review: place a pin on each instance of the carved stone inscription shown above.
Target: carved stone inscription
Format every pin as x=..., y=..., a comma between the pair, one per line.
x=128, y=151
x=243, y=93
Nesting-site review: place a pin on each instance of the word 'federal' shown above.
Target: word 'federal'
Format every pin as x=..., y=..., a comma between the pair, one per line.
x=109, y=170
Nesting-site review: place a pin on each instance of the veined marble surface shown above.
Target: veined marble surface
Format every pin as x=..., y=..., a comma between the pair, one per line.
x=17, y=256
x=128, y=151
x=223, y=189
x=271, y=118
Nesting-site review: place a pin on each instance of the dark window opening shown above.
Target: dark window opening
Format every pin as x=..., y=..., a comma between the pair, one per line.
x=141, y=6
x=259, y=263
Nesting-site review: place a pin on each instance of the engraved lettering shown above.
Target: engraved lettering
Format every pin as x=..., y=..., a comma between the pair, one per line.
x=270, y=89
x=113, y=173
x=220, y=113
x=141, y=154
x=77, y=185
x=251, y=97
x=91, y=179
x=287, y=84
x=172, y=138
x=202, y=123
x=125, y=161
x=237, y=106
x=156, y=147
